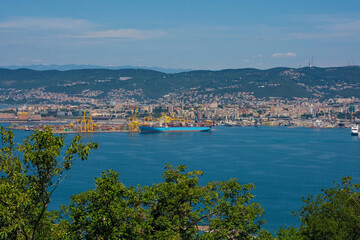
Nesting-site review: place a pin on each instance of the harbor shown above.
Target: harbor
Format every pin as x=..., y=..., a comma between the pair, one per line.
x=86, y=125
x=131, y=125
x=136, y=118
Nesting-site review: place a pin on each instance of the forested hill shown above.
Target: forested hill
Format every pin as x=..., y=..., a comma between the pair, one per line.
x=275, y=82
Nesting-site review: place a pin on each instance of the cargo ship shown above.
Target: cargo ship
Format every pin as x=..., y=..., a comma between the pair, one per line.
x=169, y=124
x=154, y=129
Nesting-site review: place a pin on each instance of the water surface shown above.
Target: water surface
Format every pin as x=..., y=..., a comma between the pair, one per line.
x=285, y=164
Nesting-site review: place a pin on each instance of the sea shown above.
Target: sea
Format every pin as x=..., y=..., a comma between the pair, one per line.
x=285, y=164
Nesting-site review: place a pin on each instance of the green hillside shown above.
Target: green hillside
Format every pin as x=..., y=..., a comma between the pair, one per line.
x=275, y=82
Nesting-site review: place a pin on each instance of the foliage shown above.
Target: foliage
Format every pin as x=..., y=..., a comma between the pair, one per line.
x=333, y=214
x=306, y=116
x=157, y=111
x=27, y=183
x=110, y=211
x=174, y=209
x=285, y=233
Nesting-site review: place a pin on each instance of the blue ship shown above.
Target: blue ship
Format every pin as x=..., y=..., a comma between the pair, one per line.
x=149, y=129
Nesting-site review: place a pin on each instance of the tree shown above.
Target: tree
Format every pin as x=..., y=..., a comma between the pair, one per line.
x=178, y=208
x=28, y=182
x=110, y=211
x=333, y=214
x=289, y=232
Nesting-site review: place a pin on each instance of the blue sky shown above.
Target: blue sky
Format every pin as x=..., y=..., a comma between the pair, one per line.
x=195, y=34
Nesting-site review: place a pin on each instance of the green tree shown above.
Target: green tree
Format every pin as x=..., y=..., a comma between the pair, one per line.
x=110, y=211
x=231, y=212
x=289, y=232
x=173, y=205
x=178, y=208
x=30, y=173
x=333, y=214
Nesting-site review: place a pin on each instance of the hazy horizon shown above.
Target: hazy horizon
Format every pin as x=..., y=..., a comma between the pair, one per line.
x=42, y=67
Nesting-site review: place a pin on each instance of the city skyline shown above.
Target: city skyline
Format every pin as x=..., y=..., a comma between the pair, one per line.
x=192, y=35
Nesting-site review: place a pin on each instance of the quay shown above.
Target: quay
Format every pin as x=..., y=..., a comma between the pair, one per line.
x=74, y=129
x=101, y=131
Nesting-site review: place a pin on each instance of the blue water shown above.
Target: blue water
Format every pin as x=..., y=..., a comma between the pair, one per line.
x=285, y=164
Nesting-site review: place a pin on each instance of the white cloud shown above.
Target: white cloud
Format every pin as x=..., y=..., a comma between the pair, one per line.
x=120, y=34
x=325, y=35
x=38, y=23
x=258, y=56
x=284, y=55
x=67, y=28
x=349, y=26
x=246, y=60
x=325, y=28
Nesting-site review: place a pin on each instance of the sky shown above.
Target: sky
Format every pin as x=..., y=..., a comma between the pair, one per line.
x=190, y=34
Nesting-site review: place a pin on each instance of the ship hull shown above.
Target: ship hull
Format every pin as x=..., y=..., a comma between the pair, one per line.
x=146, y=129
x=354, y=133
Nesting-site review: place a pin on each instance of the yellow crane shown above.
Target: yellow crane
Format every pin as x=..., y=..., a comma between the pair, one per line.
x=167, y=118
x=208, y=123
x=147, y=119
x=134, y=124
x=82, y=123
x=90, y=125
x=86, y=125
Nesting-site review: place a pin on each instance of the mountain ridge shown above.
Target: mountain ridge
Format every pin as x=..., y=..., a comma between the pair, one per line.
x=310, y=82
x=44, y=67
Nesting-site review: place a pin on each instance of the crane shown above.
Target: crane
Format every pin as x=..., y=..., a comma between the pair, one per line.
x=86, y=125
x=134, y=124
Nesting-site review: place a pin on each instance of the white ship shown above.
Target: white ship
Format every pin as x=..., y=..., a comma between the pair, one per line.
x=354, y=130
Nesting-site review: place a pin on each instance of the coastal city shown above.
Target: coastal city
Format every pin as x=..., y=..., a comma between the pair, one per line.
x=230, y=109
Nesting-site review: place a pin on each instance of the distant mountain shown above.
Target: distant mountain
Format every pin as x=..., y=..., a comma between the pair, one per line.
x=311, y=82
x=41, y=67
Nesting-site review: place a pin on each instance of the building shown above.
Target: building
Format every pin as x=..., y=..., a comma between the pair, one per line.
x=171, y=108
x=23, y=116
x=7, y=116
x=35, y=117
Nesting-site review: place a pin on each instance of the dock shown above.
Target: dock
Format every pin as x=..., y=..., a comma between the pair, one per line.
x=73, y=129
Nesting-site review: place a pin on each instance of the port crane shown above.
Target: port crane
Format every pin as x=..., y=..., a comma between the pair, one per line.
x=86, y=125
x=134, y=124
x=148, y=119
x=172, y=119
